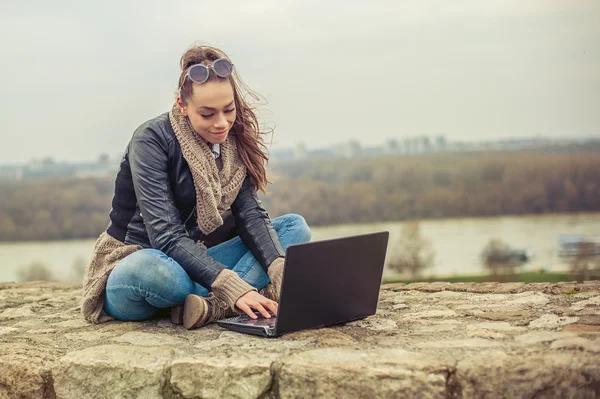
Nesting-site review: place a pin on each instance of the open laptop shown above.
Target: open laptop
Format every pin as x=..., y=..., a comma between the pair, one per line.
x=324, y=283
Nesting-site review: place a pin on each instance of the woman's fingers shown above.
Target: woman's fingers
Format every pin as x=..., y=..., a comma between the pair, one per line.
x=272, y=306
x=253, y=300
x=245, y=308
x=261, y=309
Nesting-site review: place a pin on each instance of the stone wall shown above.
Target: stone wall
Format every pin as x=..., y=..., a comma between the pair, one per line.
x=435, y=340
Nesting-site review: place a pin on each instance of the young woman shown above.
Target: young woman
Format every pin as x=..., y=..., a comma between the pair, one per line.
x=186, y=226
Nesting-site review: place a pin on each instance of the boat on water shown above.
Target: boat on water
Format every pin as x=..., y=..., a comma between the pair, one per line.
x=499, y=252
x=573, y=244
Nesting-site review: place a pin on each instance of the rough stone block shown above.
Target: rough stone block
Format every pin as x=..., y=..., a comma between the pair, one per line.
x=552, y=375
x=23, y=377
x=112, y=371
x=344, y=373
x=222, y=377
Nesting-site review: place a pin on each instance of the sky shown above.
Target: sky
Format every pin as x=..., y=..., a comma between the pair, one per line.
x=77, y=77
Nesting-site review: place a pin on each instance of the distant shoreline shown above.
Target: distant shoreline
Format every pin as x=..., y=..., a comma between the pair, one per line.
x=527, y=277
x=342, y=225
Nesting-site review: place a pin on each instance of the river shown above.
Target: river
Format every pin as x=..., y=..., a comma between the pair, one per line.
x=457, y=243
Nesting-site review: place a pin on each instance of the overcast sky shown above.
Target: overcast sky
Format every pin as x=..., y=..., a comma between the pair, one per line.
x=77, y=77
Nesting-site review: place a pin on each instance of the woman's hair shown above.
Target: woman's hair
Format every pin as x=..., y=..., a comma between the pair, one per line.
x=251, y=147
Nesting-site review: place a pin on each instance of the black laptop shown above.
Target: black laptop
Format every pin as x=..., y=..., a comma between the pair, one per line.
x=324, y=283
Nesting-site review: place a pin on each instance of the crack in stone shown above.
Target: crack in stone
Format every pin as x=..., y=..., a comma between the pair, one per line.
x=453, y=387
x=541, y=393
x=48, y=379
x=272, y=391
x=168, y=391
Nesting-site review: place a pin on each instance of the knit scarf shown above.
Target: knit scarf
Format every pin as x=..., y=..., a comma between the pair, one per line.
x=216, y=189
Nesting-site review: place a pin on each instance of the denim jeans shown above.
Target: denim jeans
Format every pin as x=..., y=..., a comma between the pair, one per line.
x=148, y=280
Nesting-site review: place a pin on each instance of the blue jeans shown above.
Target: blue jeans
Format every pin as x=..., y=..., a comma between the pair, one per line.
x=148, y=280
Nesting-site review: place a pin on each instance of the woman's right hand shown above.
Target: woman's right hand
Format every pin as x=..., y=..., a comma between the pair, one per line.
x=253, y=300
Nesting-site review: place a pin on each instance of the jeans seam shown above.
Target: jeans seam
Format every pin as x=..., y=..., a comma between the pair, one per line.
x=285, y=228
x=125, y=316
x=245, y=273
x=129, y=287
x=220, y=249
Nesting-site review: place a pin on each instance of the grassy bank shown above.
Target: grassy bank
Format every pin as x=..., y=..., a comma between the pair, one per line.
x=530, y=277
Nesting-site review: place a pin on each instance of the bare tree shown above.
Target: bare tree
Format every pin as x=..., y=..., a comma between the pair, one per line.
x=585, y=264
x=500, y=259
x=35, y=271
x=415, y=253
x=78, y=269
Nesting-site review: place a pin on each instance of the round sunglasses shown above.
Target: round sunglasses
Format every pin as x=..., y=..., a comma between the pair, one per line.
x=199, y=73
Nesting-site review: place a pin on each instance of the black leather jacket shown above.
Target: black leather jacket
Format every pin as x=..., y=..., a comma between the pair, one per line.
x=154, y=206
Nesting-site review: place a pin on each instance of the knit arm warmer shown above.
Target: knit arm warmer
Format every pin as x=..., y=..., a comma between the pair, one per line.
x=275, y=272
x=229, y=287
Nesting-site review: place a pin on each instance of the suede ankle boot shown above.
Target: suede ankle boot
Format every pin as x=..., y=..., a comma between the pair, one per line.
x=199, y=311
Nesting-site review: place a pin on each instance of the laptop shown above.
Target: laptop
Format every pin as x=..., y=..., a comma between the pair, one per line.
x=324, y=283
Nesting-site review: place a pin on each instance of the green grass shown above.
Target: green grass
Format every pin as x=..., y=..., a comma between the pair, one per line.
x=571, y=292
x=529, y=277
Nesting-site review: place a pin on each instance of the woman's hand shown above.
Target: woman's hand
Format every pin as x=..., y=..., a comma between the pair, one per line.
x=253, y=300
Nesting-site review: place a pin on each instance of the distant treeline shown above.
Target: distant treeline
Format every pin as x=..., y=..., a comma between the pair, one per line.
x=437, y=186
x=52, y=209
x=332, y=191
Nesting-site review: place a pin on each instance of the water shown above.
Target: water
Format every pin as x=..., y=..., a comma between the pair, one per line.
x=457, y=243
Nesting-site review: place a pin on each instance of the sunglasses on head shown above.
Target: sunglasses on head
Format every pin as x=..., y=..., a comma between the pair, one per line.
x=199, y=73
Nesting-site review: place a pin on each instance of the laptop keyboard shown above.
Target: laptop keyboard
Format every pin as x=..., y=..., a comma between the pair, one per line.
x=261, y=321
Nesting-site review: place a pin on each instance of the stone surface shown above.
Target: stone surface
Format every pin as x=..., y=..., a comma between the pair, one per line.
x=594, y=302
x=348, y=373
x=498, y=374
x=222, y=377
x=577, y=343
x=495, y=326
x=482, y=333
x=540, y=337
x=436, y=340
x=7, y=330
x=149, y=339
x=551, y=321
x=24, y=377
x=111, y=371
x=13, y=313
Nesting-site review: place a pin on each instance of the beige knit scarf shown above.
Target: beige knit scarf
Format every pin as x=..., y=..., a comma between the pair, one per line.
x=216, y=188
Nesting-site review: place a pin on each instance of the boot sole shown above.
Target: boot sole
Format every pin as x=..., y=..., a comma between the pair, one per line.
x=177, y=314
x=195, y=312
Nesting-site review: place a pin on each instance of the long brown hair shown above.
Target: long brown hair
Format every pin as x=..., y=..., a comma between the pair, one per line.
x=251, y=147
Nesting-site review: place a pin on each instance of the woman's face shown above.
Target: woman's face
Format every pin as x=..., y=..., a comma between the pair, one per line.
x=211, y=110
